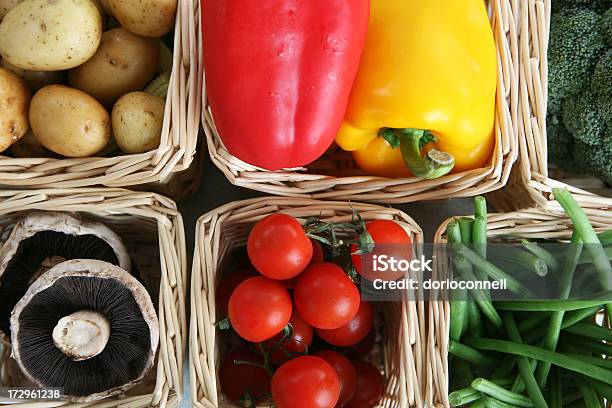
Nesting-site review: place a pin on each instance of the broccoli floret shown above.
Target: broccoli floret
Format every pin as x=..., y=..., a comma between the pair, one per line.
x=576, y=41
x=597, y=5
x=582, y=118
x=560, y=145
x=596, y=160
x=607, y=29
x=602, y=86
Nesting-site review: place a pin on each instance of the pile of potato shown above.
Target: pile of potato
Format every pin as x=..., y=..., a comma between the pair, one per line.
x=67, y=87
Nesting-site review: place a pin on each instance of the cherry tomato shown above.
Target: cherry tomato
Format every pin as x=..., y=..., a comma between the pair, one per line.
x=296, y=344
x=390, y=239
x=325, y=296
x=259, y=308
x=318, y=255
x=305, y=382
x=244, y=384
x=346, y=373
x=352, y=332
x=278, y=247
x=370, y=386
x=226, y=286
x=363, y=348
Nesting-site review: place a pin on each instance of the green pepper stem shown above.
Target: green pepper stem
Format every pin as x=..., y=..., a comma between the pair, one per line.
x=411, y=141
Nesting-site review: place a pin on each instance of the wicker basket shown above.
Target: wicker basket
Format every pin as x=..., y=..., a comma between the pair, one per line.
x=401, y=356
x=527, y=224
x=335, y=175
x=155, y=168
x=149, y=224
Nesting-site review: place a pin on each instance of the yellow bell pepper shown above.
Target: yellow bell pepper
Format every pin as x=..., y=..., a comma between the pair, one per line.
x=424, y=96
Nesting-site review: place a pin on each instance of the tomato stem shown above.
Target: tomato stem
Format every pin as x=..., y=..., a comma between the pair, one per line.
x=265, y=366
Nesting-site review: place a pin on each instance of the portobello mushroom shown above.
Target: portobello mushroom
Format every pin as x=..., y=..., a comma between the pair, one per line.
x=86, y=326
x=41, y=240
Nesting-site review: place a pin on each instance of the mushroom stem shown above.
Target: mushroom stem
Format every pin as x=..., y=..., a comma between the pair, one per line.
x=82, y=335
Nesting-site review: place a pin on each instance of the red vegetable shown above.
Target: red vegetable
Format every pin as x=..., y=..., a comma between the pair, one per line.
x=259, y=308
x=391, y=240
x=244, y=384
x=352, y=332
x=226, y=286
x=325, y=296
x=297, y=343
x=278, y=247
x=363, y=348
x=370, y=386
x=279, y=74
x=346, y=373
x=305, y=382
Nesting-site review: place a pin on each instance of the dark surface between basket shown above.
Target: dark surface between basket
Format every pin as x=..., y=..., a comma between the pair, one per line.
x=216, y=191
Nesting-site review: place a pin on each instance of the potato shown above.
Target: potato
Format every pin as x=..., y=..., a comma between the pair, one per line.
x=50, y=35
x=69, y=122
x=14, y=100
x=6, y=5
x=35, y=79
x=149, y=18
x=137, y=122
x=106, y=7
x=124, y=62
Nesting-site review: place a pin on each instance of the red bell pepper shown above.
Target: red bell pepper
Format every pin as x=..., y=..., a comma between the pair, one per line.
x=279, y=74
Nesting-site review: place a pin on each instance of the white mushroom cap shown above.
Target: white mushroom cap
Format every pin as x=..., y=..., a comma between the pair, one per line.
x=89, y=268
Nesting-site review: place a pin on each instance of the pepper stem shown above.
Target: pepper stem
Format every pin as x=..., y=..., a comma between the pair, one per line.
x=411, y=141
x=81, y=335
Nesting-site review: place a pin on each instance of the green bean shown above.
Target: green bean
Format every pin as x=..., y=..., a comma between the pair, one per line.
x=495, y=403
x=485, y=305
x=459, y=309
x=556, y=391
x=591, y=330
x=519, y=385
x=586, y=258
x=523, y=258
x=551, y=305
x=605, y=237
x=463, y=371
x=463, y=396
x=591, y=400
x=479, y=231
x=487, y=387
x=533, y=321
x=469, y=354
x=593, y=346
x=576, y=316
x=598, y=361
x=556, y=319
x=491, y=270
x=465, y=228
x=588, y=236
x=503, y=370
x=541, y=253
x=603, y=389
x=569, y=363
x=474, y=322
x=524, y=365
x=479, y=404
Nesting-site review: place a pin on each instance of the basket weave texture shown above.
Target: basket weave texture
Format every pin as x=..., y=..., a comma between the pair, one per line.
x=335, y=176
x=155, y=168
x=148, y=224
x=401, y=356
x=534, y=223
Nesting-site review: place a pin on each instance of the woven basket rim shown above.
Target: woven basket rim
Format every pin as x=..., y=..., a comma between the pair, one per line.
x=106, y=202
x=179, y=133
x=210, y=226
x=532, y=223
x=293, y=183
